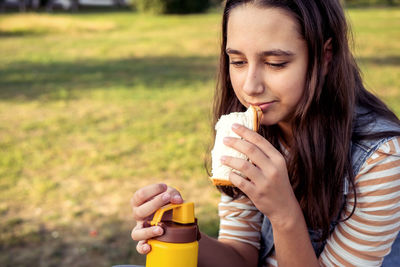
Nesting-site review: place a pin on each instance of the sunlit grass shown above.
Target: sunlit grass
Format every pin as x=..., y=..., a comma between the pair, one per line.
x=95, y=106
x=377, y=48
x=33, y=24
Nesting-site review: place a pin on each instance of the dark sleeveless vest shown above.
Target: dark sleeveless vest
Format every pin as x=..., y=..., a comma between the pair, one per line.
x=365, y=122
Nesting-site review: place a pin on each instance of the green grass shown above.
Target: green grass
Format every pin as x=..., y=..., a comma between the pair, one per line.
x=94, y=106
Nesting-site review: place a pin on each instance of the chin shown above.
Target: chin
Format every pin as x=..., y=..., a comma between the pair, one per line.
x=269, y=118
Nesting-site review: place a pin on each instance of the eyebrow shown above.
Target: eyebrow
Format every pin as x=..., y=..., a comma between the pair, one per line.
x=274, y=52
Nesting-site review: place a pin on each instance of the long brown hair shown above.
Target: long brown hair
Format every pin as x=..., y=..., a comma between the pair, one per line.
x=323, y=127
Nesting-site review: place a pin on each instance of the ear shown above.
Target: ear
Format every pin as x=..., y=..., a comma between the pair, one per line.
x=327, y=55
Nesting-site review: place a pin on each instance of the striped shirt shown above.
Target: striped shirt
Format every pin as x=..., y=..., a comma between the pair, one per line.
x=362, y=240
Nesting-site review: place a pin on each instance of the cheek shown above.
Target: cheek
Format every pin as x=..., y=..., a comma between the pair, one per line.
x=290, y=86
x=239, y=95
x=235, y=79
x=237, y=83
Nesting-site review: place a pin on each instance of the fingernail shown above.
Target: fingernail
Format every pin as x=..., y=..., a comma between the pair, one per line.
x=157, y=231
x=235, y=126
x=166, y=197
x=223, y=159
x=177, y=198
x=227, y=140
x=163, y=186
x=146, y=248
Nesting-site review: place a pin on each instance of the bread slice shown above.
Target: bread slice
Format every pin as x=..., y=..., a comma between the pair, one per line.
x=250, y=119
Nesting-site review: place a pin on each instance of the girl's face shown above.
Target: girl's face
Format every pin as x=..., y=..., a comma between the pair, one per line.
x=268, y=61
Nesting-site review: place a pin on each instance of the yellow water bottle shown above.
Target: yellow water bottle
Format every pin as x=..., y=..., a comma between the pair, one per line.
x=178, y=246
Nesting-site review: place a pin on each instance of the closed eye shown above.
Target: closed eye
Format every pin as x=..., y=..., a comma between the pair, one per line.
x=237, y=63
x=277, y=65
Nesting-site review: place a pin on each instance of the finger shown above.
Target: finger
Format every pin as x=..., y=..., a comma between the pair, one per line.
x=242, y=183
x=176, y=197
x=144, y=194
x=148, y=208
x=142, y=247
x=138, y=234
x=252, y=151
x=244, y=167
x=139, y=225
x=253, y=137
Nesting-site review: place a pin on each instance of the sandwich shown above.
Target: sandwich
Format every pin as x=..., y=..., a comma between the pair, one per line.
x=250, y=119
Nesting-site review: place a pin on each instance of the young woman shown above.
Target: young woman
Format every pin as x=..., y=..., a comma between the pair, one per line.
x=324, y=184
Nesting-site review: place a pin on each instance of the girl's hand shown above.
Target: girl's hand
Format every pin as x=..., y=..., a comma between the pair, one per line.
x=268, y=185
x=145, y=202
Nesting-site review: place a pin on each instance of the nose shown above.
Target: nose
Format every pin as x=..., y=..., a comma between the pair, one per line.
x=254, y=84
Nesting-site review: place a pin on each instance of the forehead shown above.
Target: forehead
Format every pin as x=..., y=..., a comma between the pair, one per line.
x=255, y=27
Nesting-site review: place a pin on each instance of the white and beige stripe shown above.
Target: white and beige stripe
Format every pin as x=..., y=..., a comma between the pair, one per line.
x=240, y=220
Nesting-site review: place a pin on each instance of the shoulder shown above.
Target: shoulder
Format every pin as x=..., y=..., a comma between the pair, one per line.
x=389, y=149
x=383, y=158
x=371, y=134
x=381, y=169
x=378, y=181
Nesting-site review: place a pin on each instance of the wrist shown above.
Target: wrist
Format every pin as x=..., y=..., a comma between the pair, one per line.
x=291, y=236
x=288, y=221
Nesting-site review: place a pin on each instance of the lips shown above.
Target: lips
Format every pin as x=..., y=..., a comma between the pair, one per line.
x=265, y=105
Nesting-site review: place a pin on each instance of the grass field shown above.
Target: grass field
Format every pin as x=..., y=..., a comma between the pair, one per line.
x=94, y=106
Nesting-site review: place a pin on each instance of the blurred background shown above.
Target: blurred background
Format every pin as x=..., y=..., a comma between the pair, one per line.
x=101, y=97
